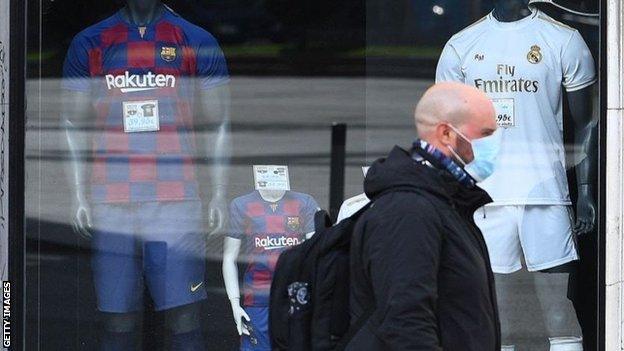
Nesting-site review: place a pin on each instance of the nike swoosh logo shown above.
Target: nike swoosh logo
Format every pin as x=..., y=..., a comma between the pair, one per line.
x=132, y=90
x=195, y=287
x=275, y=247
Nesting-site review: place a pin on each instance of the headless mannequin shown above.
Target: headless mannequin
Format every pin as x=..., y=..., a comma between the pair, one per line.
x=77, y=111
x=585, y=142
x=231, y=250
x=215, y=107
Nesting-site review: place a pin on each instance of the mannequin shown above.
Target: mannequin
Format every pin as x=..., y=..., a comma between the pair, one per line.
x=231, y=250
x=527, y=184
x=584, y=130
x=274, y=204
x=183, y=320
x=556, y=317
x=581, y=112
x=215, y=104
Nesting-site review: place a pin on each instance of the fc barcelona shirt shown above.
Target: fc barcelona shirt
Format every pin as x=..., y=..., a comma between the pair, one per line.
x=267, y=229
x=142, y=81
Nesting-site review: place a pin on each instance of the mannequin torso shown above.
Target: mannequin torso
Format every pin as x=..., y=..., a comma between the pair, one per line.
x=78, y=103
x=585, y=131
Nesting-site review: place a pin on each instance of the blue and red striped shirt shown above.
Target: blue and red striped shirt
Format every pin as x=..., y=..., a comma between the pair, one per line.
x=267, y=229
x=155, y=70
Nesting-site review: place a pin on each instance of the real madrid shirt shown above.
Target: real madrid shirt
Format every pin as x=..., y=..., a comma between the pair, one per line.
x=267, y=229
x=522, y=66
x=142, y=81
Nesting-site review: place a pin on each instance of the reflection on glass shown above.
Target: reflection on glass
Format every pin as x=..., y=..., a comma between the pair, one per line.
x=131, y=82
x=154, y=152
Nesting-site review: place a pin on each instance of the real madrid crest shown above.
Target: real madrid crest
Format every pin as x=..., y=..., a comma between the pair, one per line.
x=293, y=223
x=535, y=55
x=168, y=53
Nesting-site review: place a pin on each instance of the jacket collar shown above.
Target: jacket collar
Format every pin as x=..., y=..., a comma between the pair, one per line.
x=399, y=171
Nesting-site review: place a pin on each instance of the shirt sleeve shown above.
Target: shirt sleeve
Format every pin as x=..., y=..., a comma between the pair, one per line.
x=237, y=222
x=211, y=64
x=449, y=66
x=310, y=210
x=578, y=64
x=76, y=73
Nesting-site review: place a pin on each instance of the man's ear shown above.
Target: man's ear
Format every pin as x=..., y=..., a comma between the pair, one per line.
x=444, y=135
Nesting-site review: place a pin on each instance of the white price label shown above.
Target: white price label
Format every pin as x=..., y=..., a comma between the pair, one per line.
x=505, y=112
x=141, y=116
x=270, y=177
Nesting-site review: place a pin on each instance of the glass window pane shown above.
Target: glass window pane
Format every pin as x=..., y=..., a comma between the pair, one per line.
x=175, y=149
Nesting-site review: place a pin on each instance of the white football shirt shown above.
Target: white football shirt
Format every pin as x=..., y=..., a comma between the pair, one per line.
x=522, y=66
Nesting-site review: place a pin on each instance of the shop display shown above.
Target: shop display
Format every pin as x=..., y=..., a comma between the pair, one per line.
x=135, y=74
x=263, y=224
x=525, y=61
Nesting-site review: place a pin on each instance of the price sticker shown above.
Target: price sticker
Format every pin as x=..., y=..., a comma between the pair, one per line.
x=505, y=112
x=141, y=116
x=271, y=177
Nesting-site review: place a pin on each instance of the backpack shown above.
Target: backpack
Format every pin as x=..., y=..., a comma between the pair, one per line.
x=309, y=301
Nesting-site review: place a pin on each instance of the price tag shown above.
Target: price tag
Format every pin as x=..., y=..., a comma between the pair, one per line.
x=269, y=177
x=505, y=112
x=141, y=116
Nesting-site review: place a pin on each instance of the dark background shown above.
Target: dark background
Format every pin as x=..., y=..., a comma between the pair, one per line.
x=290, y=37
x=278, y=37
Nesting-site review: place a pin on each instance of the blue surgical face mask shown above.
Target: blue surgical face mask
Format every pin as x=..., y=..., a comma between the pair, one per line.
x=485, y=151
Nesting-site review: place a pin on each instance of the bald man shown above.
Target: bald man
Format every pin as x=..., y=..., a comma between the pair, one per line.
x=420, y=274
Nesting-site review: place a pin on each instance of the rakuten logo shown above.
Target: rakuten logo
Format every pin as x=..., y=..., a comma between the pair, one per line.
x=269, y=243
x=129, y=83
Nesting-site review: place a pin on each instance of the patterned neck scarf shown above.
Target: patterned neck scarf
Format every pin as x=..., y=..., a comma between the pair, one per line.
x=423, y=151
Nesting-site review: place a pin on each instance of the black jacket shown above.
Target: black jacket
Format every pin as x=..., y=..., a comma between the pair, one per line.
x=419, y=259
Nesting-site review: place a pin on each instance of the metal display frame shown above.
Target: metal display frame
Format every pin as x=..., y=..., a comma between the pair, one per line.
x=602, y=155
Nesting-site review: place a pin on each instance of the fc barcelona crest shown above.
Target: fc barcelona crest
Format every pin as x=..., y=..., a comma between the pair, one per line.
x=293, y=223
x=168, y=53
x=535, y=55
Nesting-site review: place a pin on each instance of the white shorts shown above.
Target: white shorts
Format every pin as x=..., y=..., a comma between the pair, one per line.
x=542, y=232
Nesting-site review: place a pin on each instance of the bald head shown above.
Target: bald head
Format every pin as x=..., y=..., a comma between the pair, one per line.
x=453, y=103
x=462, y=106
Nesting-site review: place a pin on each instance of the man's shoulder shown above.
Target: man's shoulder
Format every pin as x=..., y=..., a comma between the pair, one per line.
x=414, y=203
x=399, y=216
